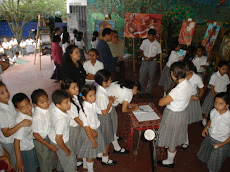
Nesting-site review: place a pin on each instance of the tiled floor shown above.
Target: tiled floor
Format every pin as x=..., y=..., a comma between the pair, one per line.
x=27, y=77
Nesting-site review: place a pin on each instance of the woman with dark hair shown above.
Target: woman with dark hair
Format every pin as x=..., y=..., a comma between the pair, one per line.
x=71, y=67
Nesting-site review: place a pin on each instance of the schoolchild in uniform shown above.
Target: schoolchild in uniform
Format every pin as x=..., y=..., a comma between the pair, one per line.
x=23, y=138
x=104, y=103
x=215, y=147
x=94, y=39
x=194, y=107
x=218, y=83
x=23, y=47
x=1, y=49
x=75, y=123
x=92, y=66
x=165, y=79
x=124, y=92
x=7, y=123
x=40, y=127
x=7, y=47
x=150, y=50
x=59, y=129
x=81, y=45
x=14, y=45
x=174, y=123
x=91, y=140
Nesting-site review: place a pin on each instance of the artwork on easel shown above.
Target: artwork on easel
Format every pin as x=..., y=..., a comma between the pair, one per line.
x=137, y=25
x=100, y=25
x=186, y=32
x=210, y=37
x=44, y=33
x=224, y=51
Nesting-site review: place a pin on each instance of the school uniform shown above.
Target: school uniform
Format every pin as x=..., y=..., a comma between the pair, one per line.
x=174, y=122
x=7, y=48
x=94, y=43
x=219, y=131
x=102, y=101
x=74, y=127
x=200, y=61
x=1, y=50
x=80, y=45
x=8, y=116
x=59, y=124
x=166, y=79
x=148, y=68
x=28, y=153
x=220, y=84
x=122, y=94
x=194, y=107
x=84, y=145
x=41, y=125
x=92, y=69
x=14, y=45
x=23, y=48
x=29, y=46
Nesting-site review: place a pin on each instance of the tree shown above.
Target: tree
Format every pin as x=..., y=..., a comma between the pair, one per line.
x=19, y=12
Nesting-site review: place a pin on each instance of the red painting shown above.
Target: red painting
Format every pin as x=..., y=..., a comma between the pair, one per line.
x=186, y=32
x=138, y=25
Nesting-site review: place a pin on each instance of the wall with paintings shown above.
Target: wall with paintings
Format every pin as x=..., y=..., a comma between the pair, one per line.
x=174, y=12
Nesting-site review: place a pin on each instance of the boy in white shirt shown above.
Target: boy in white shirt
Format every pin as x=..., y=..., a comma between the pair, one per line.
x=23, y=138
x=40, y=127
x=23, y=47
x=1, y=49
x=150, y=50
x=59, y=129
x=92, y=66
x=7, y=47
x=14, y=45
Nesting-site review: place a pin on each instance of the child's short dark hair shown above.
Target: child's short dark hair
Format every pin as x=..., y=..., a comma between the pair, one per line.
x=223, y=63
x=129, y=84
x=225, y=96
x=2, y=84
x=190, y=66
x=106, y=31
x=59, y=95
x=178, y=69
x=86, y=89
x=152, y=32
x=65, y=84
x=94, y=50
x=102, y=76
x=16, y=53
x=36, y=94
x=200, y=47
x=18, y=98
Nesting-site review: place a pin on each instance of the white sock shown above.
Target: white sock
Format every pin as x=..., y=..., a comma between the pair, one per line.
x=99, y=155
x=170, y=158
x=204, y=122
x=117, y=137
x=84, y=163
x=185, y=145
x=90, y=166
x=106, y=159
x=115, y=143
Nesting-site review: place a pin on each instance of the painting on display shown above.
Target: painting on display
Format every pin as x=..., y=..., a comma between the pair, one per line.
x=186, y=32
x=137, y=25
x=224, y=51
x=102, y=24
x=210, y=37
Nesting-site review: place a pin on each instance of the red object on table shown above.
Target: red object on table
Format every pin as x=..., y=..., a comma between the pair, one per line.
x=130, y=123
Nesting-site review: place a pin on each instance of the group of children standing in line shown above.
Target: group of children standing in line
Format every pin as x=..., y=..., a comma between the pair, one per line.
x=75, y=124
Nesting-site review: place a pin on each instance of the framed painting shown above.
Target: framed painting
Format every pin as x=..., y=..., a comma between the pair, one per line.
x=137, y=25
x=224, y=51
x=100, y=25
x=210, y=37
x=187, y=32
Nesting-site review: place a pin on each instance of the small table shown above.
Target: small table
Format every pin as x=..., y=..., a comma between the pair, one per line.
x=130, y=124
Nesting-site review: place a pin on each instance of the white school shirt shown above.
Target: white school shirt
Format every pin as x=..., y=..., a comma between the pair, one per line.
x=1, y=50
x=76, y=101
x=6, y=45
x=41, y=122
x=80, y=44
x=94, y=43
x=14, y=42
x=150, y=49
x=90, y=112
x=73, y=113
x=200, y=61
x=59, y=124
x=24, y=134
x=29, y=42
x=122, y=94
x=13, y=59
x=102, y=99
x=22, y=44
x=220, y=125
x=8, y=116
x=181, y=95
x=174, y=57
x=89, y=68
x=196, y=81
x=219, y=82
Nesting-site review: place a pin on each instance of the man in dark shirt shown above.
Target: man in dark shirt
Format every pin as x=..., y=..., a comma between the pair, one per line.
x=105, y=55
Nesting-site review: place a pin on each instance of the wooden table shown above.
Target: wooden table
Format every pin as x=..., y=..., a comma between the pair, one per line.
x=130, y=124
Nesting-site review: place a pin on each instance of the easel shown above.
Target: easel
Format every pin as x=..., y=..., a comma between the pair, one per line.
x=38, y=36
